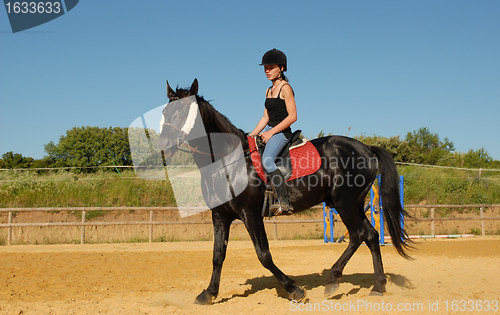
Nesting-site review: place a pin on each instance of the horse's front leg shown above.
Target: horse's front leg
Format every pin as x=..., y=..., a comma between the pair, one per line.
x=221, y=235
x=255, y=227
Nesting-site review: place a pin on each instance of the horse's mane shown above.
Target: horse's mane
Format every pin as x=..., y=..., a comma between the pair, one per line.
x=212, y=116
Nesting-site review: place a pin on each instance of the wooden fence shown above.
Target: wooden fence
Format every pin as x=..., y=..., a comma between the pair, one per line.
x=433, y=219
x=82, y=224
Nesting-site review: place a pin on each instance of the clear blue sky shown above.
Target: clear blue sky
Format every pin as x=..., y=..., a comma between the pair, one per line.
x=357, y=67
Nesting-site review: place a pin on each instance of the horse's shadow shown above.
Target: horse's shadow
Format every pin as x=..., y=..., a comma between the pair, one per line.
x=315, y=280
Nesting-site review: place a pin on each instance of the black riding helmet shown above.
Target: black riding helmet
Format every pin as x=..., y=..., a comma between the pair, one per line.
x=274, y=57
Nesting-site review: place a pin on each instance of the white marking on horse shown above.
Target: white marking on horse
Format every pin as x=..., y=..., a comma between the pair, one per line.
x=193, y=113
x=162, y=120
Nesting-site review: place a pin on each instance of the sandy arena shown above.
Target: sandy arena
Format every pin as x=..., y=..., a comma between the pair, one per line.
x=164, y=278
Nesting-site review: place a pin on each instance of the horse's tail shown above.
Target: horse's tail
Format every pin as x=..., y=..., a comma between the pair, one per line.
x=393, y=211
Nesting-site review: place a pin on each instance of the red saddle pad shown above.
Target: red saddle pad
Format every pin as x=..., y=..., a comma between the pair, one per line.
x=305, y=160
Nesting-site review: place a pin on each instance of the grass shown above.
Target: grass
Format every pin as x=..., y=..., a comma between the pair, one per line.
x=107, y=188
x=475, y=231
x=449, y=186
x=65, y=189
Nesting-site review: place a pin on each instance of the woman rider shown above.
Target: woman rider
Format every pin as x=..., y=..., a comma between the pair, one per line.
x=279, y=114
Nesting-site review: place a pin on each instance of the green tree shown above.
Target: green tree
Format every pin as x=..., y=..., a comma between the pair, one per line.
x=398, y=148
x=426, y=147
x=90, y=146
x=16, y=160
x=477, y=158
x=41, y=163
x=144, y=151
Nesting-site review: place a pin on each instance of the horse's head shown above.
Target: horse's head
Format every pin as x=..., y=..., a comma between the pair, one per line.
x=178, y=117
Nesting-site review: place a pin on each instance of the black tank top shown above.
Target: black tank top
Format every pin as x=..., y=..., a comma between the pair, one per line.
x=276, y=109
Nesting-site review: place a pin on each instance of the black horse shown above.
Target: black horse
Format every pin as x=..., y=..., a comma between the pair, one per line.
x=348, y=168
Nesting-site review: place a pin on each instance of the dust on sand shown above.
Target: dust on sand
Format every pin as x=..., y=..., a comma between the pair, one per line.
x=163, y=278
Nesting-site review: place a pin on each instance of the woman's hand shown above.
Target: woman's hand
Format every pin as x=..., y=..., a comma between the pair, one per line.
x=265, y=136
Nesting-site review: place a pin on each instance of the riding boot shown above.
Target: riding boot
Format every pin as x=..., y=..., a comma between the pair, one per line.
x=279, y=186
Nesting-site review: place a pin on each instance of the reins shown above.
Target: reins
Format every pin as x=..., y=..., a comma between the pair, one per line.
x=195, y=149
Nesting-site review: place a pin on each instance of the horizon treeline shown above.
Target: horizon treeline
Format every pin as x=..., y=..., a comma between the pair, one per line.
x=97, y=146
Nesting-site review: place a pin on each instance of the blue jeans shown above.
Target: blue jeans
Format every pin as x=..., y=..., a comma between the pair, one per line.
x=273, y=147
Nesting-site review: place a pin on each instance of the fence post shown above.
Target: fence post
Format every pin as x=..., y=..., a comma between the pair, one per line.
x=275, y=229
x=432, y=222
x=9, y=230
x=482, y=221
x=82, y=236
x=151, y=226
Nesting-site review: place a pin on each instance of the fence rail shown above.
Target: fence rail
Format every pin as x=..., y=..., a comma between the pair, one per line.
x=433, y=218
x=152, y=223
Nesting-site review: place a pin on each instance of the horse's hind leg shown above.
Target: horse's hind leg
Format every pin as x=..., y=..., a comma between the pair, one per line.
x=354, y=224
x=255, y=227
x=221, y=236
x=372, y=241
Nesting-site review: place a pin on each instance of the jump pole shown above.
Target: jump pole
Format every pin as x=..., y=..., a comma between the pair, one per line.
x=377, y=217
x=328, y=224
x=437, y=236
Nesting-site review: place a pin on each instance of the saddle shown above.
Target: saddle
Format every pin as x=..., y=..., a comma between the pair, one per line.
x=298, y=158
x=283, y=160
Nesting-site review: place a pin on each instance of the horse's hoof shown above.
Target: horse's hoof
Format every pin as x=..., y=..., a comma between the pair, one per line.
x=330, y=289
x=297, y=295
x=375, y=293
x=205, y=298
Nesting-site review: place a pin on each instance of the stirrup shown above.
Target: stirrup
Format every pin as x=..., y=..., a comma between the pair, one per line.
x=278, y=209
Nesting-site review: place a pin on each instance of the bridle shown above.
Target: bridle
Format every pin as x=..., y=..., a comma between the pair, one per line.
x=195, y=149
x=178, y=142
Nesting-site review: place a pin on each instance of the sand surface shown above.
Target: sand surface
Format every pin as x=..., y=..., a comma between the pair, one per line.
x=165, y=278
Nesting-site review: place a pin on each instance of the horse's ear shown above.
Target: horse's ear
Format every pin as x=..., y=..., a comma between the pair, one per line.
x=194, y=87
x=170, y=93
